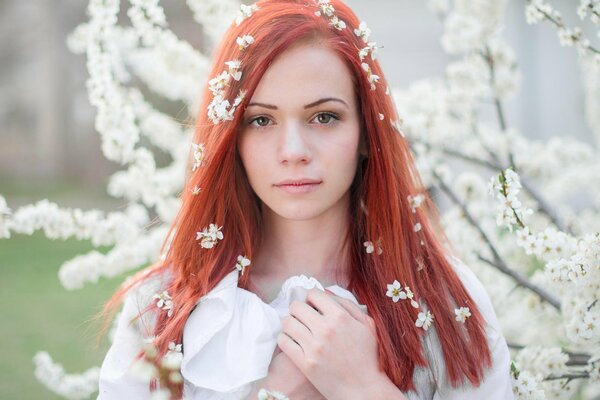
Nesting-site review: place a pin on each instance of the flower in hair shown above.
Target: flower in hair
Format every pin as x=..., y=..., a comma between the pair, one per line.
x=394, y=291
x=415, y=201
x=234, y=67
x=244, y=41
x=242, y=263
x=198, y=155
x=462, y=314
x=410, y=295
x=164, y=302
x=208, y=236
x=370, y=247
x=363, y=31
x=417, y=227
x=196, y=190
x=373, y=79
x=220, y=109
x=326, y=8
x=245, y=12
x=370, y=49
x=424, y=320
x=337, y=23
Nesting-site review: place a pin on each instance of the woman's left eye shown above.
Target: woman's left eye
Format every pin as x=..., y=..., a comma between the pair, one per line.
x=324, y=118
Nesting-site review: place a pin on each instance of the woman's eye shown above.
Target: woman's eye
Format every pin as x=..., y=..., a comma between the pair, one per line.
x=262, y=121
x=325, y=118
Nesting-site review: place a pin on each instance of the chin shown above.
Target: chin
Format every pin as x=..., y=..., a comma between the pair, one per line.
x=297, y=212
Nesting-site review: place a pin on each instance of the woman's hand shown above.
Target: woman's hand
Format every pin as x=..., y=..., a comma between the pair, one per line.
x=334, y=345
x=285, y=377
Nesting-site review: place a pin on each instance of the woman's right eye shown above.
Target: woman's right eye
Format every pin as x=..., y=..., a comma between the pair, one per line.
x=262, y=121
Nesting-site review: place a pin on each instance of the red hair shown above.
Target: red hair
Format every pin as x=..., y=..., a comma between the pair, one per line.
x=379, y=209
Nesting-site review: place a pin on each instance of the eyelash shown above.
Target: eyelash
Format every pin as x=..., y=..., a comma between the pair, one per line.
x=332, y=115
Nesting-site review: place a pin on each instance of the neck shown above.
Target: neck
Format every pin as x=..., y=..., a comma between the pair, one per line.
x=314, y=247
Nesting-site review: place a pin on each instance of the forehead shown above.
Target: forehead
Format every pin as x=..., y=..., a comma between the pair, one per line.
x=304, y=72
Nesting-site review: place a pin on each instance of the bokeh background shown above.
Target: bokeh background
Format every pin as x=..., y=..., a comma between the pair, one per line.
x=50, y=149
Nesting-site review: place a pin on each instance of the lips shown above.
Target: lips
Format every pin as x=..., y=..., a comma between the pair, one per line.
x=298, y=186
x=298, y=182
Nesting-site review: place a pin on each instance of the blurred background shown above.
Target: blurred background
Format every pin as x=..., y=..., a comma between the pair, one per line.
x=49, y=149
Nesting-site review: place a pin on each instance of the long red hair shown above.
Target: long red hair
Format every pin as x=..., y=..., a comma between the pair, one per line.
x=379, y=209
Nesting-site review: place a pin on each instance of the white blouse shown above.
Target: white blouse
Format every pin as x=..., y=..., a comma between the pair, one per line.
x=230, y=337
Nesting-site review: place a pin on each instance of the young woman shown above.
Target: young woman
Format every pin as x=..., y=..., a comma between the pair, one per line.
x=302, y=181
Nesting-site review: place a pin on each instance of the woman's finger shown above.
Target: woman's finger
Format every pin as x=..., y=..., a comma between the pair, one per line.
x=350, y=307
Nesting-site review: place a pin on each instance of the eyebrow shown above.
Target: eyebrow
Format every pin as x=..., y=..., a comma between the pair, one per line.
x=311, y=105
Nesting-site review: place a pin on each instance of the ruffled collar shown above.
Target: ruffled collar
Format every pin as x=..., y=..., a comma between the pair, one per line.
x=230, y=337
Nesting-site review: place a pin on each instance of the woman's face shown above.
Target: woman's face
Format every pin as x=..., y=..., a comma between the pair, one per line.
x=302, y=125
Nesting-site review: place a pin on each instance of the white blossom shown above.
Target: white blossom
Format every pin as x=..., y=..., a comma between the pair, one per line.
x=424, y=320
x=337, y=23
x=198, y=154
x=244, y=41
x=462, y=314
x=209, y=236
x=363, y=31
x=245, y=12
x=415, y=201
x=242, y=263
x=164, y=302
x=370, y=247
x=70, y=386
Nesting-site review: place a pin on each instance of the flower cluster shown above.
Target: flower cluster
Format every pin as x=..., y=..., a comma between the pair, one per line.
x=396, y=292
x=209, y=236
x=164, y=302
x=510, y=210
x=242, y=263
x=424, y=320
x=525, y=385
x=415, y=201
x=363, y=32
x=166, y=370
x=371, y=77
x=244, y=12
x=244, y=41
x=53, y=376
x=198, y=154
x=461, y=314
x=370, y=247
x=220, y=109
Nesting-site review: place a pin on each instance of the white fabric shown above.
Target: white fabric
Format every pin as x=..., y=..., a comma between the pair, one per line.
x=230, y=337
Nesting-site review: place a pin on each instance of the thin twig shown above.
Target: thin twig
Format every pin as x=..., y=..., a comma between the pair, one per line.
x=559, y=24
x=543, y=206
x=498, y=262
x=497, y=103
x=569, y=377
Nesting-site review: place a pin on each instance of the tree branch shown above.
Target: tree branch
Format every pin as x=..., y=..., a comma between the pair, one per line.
x=543, y=206
x=498, y=262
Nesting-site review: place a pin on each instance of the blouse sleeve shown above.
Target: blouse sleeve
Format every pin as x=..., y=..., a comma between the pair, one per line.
x=116, y=380
x=496, y=384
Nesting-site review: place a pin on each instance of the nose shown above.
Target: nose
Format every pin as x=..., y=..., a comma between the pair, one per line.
x=294, y=146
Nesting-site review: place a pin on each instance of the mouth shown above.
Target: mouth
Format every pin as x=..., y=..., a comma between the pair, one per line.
x=299, y=186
